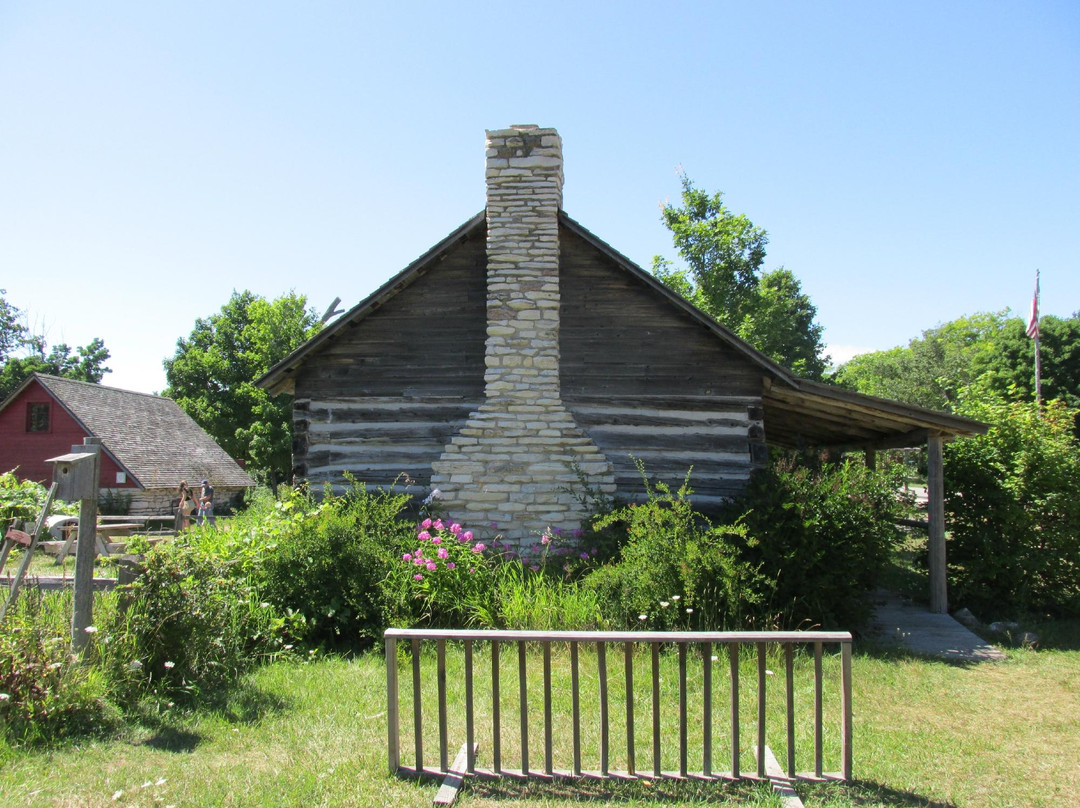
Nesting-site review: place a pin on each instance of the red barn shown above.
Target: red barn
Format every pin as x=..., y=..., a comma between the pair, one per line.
x=148, y=443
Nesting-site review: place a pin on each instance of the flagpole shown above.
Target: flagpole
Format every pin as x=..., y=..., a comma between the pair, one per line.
x=1033, y=332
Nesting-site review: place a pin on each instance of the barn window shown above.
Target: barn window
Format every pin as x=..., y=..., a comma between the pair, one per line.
x=37, y=417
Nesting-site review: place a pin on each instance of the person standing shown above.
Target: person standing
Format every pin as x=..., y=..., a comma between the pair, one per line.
x=184, y=507
x=206, y=503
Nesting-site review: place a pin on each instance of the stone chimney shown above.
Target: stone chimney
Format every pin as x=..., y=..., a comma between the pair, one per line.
x=513, y=463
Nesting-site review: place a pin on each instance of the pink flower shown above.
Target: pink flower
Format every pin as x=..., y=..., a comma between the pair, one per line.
x=535, y=567
x=437, y=540
x=545, y=539
x=423, y=535
x=406, y=557
x=438, y=525
x=418, y=577
x=443, y=552
x=478, y=548
x=432, y=566
x=418, y=560
x=455, y=528
x=426, y=523
x=466, y=536
x=584, y=556
x=450, y=565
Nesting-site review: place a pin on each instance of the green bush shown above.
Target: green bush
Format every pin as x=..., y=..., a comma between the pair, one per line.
x=45, y=694
x=1012, y=504
x=675, y=570
x=189, y=626
x=820, y=537
x=23, y=500
x=328, y=563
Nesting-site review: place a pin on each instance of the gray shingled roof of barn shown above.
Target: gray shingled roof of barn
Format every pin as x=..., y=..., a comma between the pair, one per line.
x=156, y=441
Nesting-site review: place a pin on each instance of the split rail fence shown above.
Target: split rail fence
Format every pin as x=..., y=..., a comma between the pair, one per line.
x=707, y=642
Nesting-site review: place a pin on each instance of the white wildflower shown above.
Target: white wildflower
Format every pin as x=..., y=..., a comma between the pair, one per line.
x=643, y=617
x=664, y=604
x=56, y=665
x=170, y=665
x=90, y=629
x=264, y=605
x=5, y=696
x=689, y=611
x=769, y=672
x=135, y=665
x=676, y=597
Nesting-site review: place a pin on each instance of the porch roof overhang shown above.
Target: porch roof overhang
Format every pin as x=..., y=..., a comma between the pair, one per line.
x=803, y=414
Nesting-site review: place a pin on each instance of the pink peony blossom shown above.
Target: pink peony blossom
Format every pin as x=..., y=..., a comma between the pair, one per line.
x=418, y=577
x=478, y=548
x=432, y=566
x=426, y=523
x=406, y=557
x=438, y=524
x=545, y=539
x=437, y=540
x=423, y=535
x=450, y=565
x=444, y=553
x=455, y=528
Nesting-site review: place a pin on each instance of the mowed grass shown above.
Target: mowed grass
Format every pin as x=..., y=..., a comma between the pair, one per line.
x=926, y=733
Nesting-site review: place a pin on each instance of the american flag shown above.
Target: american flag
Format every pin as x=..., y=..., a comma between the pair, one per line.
x=1033, y=323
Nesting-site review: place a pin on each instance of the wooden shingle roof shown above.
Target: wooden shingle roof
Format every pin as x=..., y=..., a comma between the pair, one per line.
x=151, y=437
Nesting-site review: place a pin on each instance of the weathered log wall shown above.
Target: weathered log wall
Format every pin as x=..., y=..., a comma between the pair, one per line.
x=642, y=377
x=385, y=396
x=650, y=383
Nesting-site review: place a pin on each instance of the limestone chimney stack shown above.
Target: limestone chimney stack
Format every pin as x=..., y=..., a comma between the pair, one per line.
x=516, y=463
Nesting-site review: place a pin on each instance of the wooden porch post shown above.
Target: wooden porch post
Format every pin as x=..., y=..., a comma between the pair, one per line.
x=935, y=491
x=871, y=459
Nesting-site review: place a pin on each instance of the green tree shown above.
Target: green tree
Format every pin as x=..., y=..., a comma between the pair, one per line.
x=212, y=377
x=723, y=253
x=86, y=363
x=991, y=348
x=1012, y=501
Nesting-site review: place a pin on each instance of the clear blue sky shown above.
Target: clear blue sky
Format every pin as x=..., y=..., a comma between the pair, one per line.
x=912, y=162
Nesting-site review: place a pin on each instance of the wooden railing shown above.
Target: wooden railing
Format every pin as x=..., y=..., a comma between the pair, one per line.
x=655, y=640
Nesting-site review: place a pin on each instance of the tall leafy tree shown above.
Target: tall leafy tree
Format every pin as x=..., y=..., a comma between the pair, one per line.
x=991, y=348
x=723, y=253
x=23, y=353
x=212, y=377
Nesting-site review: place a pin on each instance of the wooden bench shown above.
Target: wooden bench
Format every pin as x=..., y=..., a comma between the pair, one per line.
x=648, y=643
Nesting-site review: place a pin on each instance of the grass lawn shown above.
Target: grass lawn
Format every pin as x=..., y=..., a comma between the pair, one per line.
x=926, y=733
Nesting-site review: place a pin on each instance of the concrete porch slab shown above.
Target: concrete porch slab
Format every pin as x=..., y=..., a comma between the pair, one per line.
x=918, y=630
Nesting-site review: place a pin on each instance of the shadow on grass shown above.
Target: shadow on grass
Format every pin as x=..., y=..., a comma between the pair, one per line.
x=597, y=790
x=865, y=793
x=241, y=704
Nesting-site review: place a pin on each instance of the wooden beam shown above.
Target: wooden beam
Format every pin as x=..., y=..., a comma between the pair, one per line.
x=935, y=490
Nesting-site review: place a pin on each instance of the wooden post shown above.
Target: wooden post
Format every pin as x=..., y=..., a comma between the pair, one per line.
x=871, y=459
x=83, y=615
x=935, y=491
x=392, y=721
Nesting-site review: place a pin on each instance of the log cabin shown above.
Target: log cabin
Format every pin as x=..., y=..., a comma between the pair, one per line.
x=522, y=359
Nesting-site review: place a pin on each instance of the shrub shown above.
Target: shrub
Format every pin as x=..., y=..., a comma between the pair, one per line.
x=190, y=625
x=1012, y=504
x=45, y=693
x=676, y=569
x=23, y=500
x=820, y=537
x=328, y=562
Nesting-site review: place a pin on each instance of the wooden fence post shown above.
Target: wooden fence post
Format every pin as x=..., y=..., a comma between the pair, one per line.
x=935, y=491
x=83, y=615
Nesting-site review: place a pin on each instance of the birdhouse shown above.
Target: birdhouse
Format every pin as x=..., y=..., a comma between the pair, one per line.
x=74, y=476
